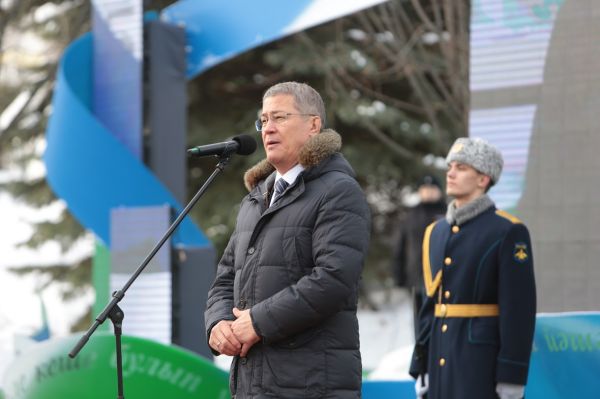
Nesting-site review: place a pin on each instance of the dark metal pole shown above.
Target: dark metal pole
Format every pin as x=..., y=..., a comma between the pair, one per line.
x=112, y=310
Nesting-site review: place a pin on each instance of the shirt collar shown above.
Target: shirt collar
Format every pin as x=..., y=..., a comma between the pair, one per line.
x=291, y=175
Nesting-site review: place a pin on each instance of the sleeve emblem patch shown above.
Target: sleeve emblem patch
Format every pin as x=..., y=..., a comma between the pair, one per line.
x=520, y=252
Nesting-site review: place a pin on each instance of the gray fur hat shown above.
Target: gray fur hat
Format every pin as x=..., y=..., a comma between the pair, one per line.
x=479, y=154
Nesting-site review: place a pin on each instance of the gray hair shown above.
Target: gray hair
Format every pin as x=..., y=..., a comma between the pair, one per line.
x=306, y=99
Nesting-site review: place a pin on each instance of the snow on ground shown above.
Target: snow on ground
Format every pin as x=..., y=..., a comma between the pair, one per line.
x=387, y=335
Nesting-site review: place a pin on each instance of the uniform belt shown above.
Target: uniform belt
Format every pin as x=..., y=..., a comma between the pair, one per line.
x=454, y=310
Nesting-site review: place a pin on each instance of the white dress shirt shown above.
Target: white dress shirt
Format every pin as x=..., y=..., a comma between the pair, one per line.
x=290, y=177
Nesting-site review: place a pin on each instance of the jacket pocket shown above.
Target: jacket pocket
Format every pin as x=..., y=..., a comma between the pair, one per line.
x=484, y=330
x=299, y=340
x=236, y=286
x=233, y=370
x=297, y=263
x=298, y=372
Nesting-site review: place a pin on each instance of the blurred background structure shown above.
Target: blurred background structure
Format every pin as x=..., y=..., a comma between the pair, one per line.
x=401, y=78
x=534, y=85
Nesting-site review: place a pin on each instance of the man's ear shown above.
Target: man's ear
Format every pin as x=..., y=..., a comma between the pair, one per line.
x=484, y=181
x=315, y=126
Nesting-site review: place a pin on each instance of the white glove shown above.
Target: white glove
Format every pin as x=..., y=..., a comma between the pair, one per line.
x=510, y=391
x=422, y=385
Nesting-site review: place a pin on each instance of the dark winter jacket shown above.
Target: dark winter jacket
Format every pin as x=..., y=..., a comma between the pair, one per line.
x=296, y=265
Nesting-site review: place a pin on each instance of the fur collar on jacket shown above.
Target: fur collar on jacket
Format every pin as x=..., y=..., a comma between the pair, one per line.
x=468, y=211
x=316, y=149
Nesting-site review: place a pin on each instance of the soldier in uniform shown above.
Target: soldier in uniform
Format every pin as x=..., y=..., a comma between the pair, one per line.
x=476, y=325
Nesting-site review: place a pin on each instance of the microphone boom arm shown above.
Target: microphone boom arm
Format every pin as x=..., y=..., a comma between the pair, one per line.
x=112, y=310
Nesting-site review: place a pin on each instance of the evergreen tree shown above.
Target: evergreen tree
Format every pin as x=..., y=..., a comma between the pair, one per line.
x=26, y=81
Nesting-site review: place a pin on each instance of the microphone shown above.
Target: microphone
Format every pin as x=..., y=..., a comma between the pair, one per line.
x=243, y=144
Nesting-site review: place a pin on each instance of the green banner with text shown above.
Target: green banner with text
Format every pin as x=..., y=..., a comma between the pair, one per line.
x=150, y=370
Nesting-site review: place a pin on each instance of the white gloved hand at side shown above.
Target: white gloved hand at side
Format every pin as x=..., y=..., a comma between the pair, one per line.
x=510, y=391
x=422, y=385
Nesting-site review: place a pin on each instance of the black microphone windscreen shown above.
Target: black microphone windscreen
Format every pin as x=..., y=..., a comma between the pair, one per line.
x=247, y=144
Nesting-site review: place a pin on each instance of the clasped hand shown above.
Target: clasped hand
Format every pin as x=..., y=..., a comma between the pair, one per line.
x=234, y=338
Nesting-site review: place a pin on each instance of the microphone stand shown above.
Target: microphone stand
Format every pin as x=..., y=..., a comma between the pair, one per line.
x=112, y=309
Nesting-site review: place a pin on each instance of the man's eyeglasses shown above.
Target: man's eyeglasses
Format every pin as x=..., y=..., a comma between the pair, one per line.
x=277, y=118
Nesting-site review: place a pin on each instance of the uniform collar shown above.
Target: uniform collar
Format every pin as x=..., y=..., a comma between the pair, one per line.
x=468, y=211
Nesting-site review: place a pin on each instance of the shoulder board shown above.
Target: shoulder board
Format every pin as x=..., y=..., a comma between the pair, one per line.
x=508, y=216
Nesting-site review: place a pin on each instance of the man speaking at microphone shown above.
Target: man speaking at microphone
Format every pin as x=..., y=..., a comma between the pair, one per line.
x=284, y=299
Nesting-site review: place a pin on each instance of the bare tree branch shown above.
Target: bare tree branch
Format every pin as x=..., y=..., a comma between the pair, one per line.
x=385, y=140
x=424, y=18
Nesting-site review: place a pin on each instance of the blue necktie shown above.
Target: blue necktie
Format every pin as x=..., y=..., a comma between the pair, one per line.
x=280, y=186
